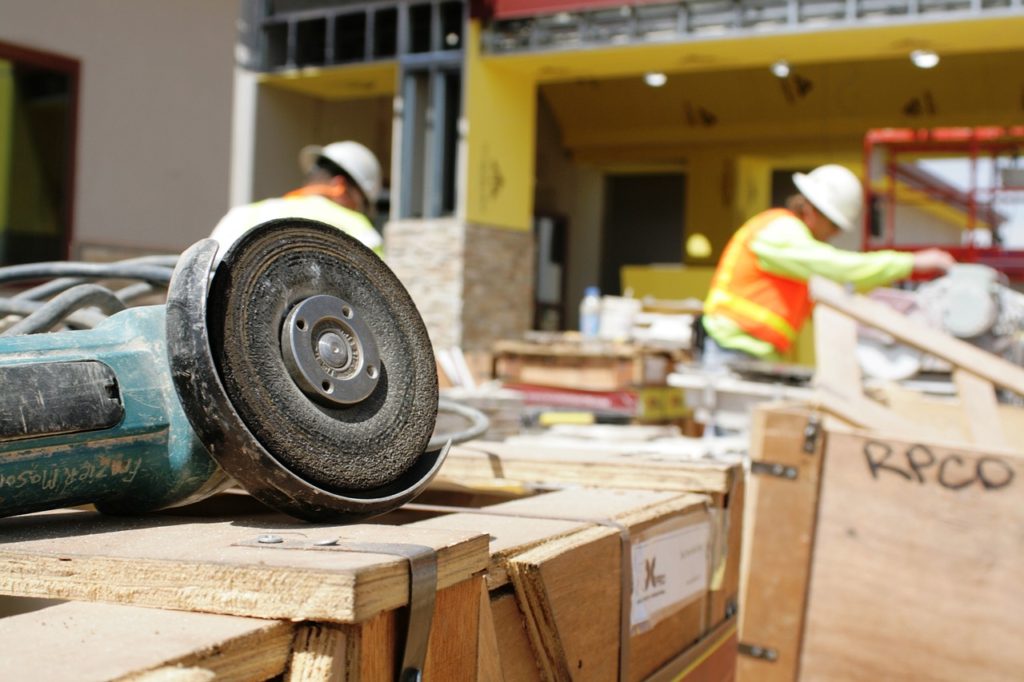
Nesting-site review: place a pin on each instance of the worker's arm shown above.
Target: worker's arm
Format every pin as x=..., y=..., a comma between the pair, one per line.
x=787, y=248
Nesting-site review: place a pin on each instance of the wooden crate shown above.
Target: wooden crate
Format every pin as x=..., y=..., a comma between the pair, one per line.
x=875, y=557
x=554, y=462
x=561, y=554
x=533, y=585
x=342, y=608
x=572, y=364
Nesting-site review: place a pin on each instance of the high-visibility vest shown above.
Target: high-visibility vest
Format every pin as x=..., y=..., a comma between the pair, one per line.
x=241, y=219
x=766, y=306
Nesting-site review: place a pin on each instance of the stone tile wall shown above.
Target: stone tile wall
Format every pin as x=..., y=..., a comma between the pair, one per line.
x=472, y=284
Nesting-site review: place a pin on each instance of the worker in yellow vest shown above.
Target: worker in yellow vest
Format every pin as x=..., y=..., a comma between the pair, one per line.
x=343, y=182
x=759, y=296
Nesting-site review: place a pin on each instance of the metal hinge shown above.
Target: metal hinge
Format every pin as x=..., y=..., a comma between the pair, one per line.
x=812, y=434
x=774, y=469
x=761, y=652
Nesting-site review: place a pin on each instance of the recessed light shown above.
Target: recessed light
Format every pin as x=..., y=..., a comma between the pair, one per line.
x=924, y=59
x=780, y=69
x=655, y=79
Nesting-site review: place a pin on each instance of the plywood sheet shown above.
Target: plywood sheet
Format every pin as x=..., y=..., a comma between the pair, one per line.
x=189, y=564
x=917, y=560
x=82, y=641
x=623, y=469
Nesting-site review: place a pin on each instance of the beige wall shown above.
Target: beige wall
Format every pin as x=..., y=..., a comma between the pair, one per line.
x=154, y=128
x=286, y=121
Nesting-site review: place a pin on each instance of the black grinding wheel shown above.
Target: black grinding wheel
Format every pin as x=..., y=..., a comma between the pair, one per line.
x=345, y=448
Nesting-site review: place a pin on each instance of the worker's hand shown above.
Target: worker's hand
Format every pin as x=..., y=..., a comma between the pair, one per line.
x=933, y=260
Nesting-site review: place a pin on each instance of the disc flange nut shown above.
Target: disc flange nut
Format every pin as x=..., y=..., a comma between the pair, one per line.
x=329, y=351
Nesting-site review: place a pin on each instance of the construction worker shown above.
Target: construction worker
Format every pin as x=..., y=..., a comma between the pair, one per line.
x=759, y=296
x=343, y=182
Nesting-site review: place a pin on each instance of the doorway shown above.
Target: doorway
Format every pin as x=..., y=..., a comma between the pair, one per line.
x=643, y=224
x=38, y=123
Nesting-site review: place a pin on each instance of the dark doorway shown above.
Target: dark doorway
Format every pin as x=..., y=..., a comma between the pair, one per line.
x=643, y=223
x=38, y=121
x=783, y=186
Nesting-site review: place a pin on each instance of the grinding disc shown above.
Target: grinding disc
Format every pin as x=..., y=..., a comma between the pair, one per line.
x=365, y=443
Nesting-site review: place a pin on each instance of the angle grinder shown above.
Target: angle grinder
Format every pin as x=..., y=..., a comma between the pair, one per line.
x=298, y=367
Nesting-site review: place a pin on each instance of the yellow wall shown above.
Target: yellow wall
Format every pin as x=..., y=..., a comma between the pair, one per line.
x=501, y=107
x=667, y=282
x=338, y=83
x=757, y=128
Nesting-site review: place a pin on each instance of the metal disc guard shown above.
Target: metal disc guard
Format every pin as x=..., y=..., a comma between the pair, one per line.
x=282, y=473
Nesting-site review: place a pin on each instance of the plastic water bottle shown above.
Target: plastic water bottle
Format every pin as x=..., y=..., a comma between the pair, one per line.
x=590, y=313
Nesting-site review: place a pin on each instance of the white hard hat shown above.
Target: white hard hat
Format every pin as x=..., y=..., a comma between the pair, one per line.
x=835, y=191
x=359, y=162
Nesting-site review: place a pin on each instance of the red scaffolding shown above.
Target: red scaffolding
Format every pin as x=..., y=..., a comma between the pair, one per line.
x=886, y=165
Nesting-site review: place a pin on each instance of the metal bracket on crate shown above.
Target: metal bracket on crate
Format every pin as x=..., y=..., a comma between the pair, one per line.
x=812, y=434
x=774, y=469
x=422, y=587
x=760, y=652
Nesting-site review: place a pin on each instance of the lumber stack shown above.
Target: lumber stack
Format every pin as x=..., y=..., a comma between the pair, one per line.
x=573, y=563
x=677, y=465
x=341, y=601
x=568, y=372
x=595, y=584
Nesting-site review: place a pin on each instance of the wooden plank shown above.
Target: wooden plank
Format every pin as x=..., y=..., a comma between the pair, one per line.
x=958, y=353
x=82, y=641
x=978, y=401
x=946, y=418
x=713, y=659
x=518, y=660
x=835, y=350
x=372, y=650
x=727, y=565
x=778, y=539
x=489, y=663
x=866, y=413
x=570, y=589
x=509, y=536
x=454, y=635
x=176, y=562
x=318, y=654
x=625, y=468
x=916, y=569
x=572, y=613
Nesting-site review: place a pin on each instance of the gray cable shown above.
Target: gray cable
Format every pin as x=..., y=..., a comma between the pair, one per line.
x=479, y=423
x=150, y=273
x=47, y=289
x=83, y=319
x=133, y=291
x=60, y=306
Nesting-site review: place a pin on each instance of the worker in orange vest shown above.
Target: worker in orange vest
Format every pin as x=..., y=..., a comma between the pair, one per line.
x=343, y=181
x=759, y=296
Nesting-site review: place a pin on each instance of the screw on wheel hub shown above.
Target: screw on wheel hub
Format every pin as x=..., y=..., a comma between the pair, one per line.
x=329, y=351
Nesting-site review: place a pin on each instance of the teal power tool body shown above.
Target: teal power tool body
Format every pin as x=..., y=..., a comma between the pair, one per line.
x=297, y=366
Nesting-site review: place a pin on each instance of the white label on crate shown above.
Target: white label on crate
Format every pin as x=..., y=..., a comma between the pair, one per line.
x=670, y=570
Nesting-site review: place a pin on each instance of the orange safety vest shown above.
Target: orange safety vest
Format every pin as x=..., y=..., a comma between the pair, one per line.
x=769, y=307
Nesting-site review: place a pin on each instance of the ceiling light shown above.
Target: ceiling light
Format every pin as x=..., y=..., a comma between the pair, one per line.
x=655, y=79
x=924, y=59
x=780, y=69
